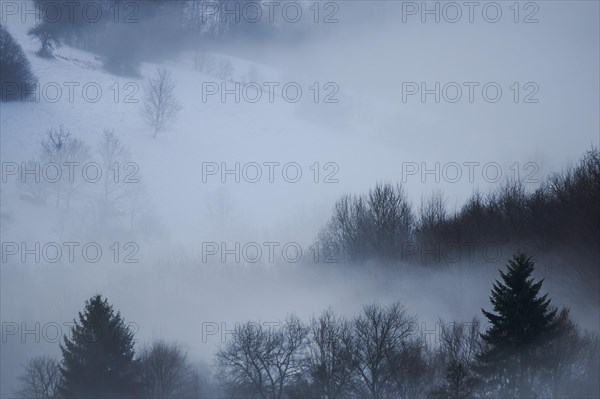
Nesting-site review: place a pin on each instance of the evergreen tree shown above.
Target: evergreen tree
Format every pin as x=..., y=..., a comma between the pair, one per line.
x=98, y=359
x=522, y=323
x=17, y=82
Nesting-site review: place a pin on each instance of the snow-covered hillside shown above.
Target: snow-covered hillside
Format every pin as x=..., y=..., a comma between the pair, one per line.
x=77, y=93
x=336, y=138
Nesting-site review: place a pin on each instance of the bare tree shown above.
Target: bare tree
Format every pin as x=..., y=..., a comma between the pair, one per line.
x=117, y=177
x=411, y=369
x=460, y=344
x=344, y=231
x=433, y=211
x=64, y=150
x=262, y=360
x=391, y=219
x=332, y=357
x=380, y=332
x=570, y=361
x=159, y=104
x=41, y=378
x=166, y=372
x=372, y=225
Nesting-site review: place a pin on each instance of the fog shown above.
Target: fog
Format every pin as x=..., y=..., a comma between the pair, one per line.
x=179, y=252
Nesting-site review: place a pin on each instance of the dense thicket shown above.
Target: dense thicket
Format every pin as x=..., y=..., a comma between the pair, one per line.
x=373, y=225
x=123, y=33
x=17, y=82
x=564, y=211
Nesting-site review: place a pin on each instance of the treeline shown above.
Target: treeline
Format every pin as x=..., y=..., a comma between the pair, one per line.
x=122, y=33
x=561, y=218
x=528, y=349
x=564, y=211
x=126, y=33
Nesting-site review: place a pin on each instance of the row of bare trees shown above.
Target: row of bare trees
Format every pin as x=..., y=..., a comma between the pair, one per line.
x=559, y=222
x=378, y=354
x=330, y=357
x=564, y=210
x=382, y=354
x=101, y=185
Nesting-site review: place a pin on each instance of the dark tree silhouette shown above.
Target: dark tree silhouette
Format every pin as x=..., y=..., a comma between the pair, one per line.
x=16, y=80
x=459, y=347
x=332, y=358
x=46, y=35
x=262, y=361
x=381, y=333
x=98, y=358
x=375, y=225
x=522, y=323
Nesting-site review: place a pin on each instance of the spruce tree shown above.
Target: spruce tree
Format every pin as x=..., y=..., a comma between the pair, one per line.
x=521, y=324
x=17, y=82
x=98, y=359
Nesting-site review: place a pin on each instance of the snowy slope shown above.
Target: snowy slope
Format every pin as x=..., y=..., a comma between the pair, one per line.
x=170, y=164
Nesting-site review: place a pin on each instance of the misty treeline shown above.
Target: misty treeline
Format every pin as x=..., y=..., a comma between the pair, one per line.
x=559, y=222
x=91, y=187
x=527, y=349
x=125, y=33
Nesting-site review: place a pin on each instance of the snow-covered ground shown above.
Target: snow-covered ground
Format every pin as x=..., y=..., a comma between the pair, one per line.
x=341, y=137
